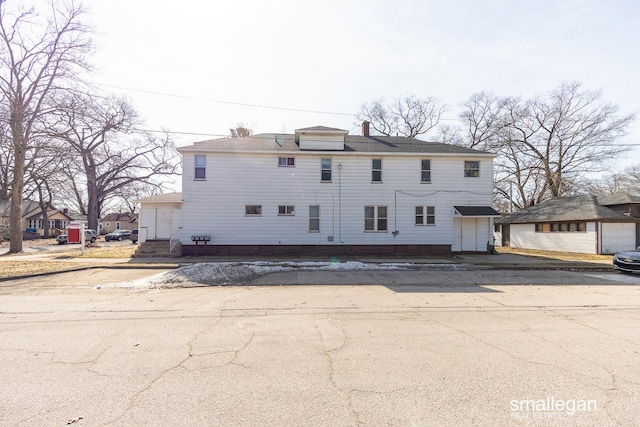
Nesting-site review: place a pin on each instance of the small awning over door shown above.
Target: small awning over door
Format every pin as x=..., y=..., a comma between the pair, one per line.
x=475, y=211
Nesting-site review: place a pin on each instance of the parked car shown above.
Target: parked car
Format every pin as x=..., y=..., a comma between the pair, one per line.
x=628, y=261
x=117, y=235
x=134, y=236
x=89, y=236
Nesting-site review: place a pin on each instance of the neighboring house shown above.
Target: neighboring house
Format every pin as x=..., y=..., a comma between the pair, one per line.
x=583, y=224
x=117, y=221
x=32, y=217
x=322, y=190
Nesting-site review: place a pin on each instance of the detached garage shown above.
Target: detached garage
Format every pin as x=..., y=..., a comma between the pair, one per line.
x=580, y=224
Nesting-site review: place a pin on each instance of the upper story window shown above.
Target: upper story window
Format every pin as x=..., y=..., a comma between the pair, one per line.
x=286, y=162
x=200, y=167
x=471, y=168
x=376, y=170
x=425, y=170
x=325, y=170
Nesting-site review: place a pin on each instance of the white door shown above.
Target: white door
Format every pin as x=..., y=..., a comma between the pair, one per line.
x=163, y=223
x=469, y=238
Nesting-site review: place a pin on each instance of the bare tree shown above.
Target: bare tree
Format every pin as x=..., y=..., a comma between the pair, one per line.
x=109, y=154
x=6, y=161
x=38, y=56
x=627, y=181
x=547, y=145
x=240, y=131
x=408, y=116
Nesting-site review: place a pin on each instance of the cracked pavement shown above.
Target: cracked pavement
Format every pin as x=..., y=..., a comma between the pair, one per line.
x=454, y=350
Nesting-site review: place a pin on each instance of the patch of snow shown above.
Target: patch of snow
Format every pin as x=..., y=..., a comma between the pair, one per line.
x=228, y=273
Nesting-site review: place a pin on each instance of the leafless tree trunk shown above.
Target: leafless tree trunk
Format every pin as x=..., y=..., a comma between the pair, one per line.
x=108, y=152
x=37, y=58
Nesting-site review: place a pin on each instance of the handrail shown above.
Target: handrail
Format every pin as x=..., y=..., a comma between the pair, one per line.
x=175, y=239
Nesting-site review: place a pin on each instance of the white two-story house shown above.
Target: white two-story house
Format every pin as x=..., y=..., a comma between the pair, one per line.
x=323, y=191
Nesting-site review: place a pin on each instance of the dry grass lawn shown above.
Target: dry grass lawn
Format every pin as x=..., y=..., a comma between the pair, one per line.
x=107, y=252
x=9, y=269
x=563, y=256
x=24, y=267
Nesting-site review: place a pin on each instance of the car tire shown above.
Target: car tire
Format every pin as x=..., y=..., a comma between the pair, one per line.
x=120, y=239
x=93, y=240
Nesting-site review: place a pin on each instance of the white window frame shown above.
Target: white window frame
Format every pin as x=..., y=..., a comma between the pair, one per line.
x=35, y=223
x=375, y=219
x=314, y=220
x=470, y=170
x=324, y=169
x=286, y=162
x=425, y=215
x=286, y=210
x=424, y=171
x=257, y=208
x=199, y=164
x=375, y=170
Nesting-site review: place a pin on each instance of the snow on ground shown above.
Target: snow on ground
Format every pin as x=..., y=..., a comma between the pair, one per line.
x=239, y=273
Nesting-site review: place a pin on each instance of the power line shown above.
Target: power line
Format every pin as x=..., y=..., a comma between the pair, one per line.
x=242, y=104
x=629, y=144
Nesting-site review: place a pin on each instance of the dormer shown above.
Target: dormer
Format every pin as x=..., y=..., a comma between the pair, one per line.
x=320, y=138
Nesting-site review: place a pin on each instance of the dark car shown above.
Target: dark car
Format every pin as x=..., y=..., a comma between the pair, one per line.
x=134, y=236
x=117, y=235
x=628, y=261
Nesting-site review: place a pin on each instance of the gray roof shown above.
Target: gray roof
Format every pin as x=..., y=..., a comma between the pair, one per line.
x=273, y=142
x=576, y=208
x=475, y=211
x=27, y=207
x=161, y=198
x=321, y=129
x=618, y=199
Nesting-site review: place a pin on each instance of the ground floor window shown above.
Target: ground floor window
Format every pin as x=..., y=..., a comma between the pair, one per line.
x=34, y=223
x=555, y=227
x=425, y=215
x=375, y=218
x=314, y=219
x=253, y=210
x=286, y=210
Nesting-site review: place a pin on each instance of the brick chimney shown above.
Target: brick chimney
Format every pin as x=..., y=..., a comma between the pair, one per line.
x=365, y=128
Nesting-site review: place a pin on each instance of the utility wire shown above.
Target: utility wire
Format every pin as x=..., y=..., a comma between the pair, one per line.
x=242, y=104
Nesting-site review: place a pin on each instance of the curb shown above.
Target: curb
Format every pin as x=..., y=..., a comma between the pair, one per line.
x=90, y=267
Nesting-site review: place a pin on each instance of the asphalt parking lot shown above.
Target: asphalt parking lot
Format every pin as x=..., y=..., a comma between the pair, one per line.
x=389, y=348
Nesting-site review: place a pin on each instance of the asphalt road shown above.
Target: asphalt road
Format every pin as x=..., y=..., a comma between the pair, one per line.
x=402, y=352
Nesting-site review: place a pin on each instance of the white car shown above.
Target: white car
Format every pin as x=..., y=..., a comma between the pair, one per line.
x=90, y=236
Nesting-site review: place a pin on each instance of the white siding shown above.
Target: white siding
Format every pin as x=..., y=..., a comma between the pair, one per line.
x=216, y=206
x=618, y=237
x=148, y=224
x=525, y=236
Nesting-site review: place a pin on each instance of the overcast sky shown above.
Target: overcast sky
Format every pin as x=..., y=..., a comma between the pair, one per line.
x=331, y=56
